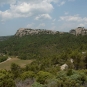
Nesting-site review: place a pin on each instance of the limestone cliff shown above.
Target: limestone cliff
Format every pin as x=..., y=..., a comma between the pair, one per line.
x=27, y=31
x=79, y=31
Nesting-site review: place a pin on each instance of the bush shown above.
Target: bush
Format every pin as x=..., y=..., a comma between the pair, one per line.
x=27, y=74
x=36, y=84
x=43, y=76
x=6, y=79
x=3, y=58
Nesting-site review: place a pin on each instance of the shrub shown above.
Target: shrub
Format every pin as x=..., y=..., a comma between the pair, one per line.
x=36, y=84
x=3, y=58
x=27, y=74
x=43, y=76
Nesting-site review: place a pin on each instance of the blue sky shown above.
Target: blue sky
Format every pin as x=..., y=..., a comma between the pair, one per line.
x=57, y=15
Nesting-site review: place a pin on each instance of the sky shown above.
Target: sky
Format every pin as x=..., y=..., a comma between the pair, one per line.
x=56, y=15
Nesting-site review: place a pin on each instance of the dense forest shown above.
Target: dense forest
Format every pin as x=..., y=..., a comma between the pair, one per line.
x=49, y=53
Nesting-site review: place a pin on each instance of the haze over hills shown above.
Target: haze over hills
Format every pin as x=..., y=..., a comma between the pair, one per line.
x=5, y=37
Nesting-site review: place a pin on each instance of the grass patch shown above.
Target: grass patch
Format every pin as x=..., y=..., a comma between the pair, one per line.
x=6, y=65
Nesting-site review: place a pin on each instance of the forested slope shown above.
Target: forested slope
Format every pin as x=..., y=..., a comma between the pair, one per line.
x=43, y=45
x=49, y=53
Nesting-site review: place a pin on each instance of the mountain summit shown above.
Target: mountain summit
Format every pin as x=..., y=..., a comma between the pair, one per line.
x=27, y=31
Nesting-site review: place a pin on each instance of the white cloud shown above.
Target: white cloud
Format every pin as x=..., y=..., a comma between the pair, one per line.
x=22, y=8
x=81, y=25
x=66, y=13
x=84, y=24
x=53, y=27
x=7, y=2
x=27, y=9
x=67, y=26
x=42, y=25
x=76, y=18
x=54, y=20
x=43, y=16
x=61, y=3
x=73, y=22
x=5, y=14
x=30, y=25
x=53, y=23
x=71, y=0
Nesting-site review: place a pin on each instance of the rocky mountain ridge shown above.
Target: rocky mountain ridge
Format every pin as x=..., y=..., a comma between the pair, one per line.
x=78, y=31
x=27, y=31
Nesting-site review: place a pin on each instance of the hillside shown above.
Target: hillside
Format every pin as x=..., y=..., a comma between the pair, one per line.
x=43, y=45
x=50, y=52
x=38, y=45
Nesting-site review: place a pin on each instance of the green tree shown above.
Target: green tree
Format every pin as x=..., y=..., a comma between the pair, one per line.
x=43, y=76
x=16, y=70
x=6, y=79
x=27, y=74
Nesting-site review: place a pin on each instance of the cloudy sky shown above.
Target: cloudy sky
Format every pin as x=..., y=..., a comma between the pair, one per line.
x=58, y=15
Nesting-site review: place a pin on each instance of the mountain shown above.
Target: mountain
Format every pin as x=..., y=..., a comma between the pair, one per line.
x=27, y=31
x=49, y=53
x=42, y=45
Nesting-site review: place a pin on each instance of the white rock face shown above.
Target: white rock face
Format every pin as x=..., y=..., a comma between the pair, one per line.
x=64, y=66
x=83, y=52
x=71, y=60
x=79, y=31
x=26, y=31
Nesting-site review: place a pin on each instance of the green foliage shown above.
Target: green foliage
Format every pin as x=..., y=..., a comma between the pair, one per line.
x=16, y=70
x=72, y=78
x=34, y=66
x=27, y=74
x=36, y=84
x=43, y=76
x=69, y=72
x=48, y=52
x=6, y=79
x=52, y=82
x=3, y=58
x=42, y=45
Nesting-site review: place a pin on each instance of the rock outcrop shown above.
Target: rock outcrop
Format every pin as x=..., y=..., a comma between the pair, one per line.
x=78, y=31
x=64, y=67
x=26, y=31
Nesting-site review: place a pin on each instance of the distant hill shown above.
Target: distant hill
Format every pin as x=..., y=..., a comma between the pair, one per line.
x=2, y=38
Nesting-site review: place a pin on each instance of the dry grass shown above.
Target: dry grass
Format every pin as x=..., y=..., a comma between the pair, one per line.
x=6, y=65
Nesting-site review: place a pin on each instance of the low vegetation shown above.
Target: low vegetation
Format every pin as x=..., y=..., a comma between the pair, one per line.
x=6, y=65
